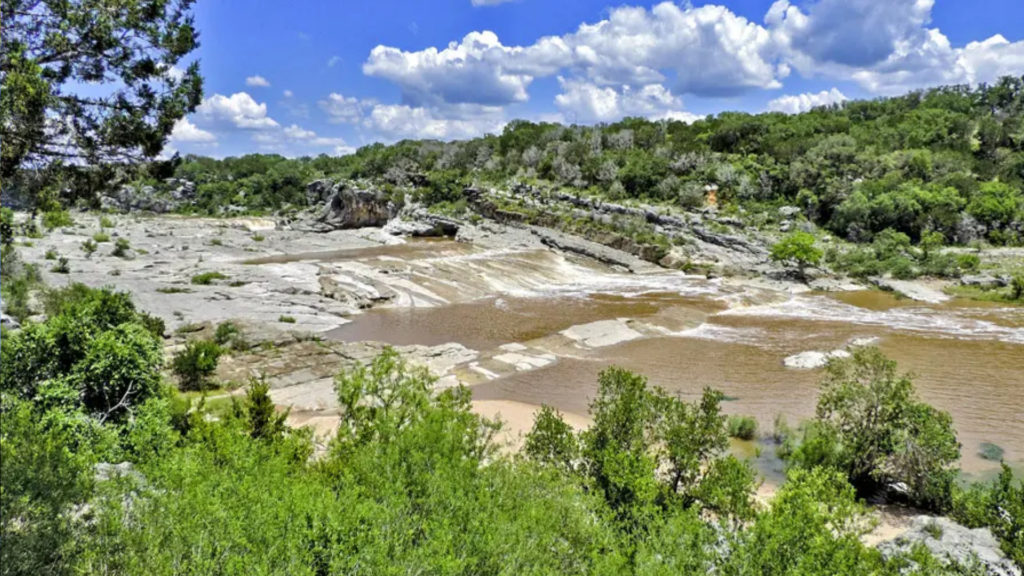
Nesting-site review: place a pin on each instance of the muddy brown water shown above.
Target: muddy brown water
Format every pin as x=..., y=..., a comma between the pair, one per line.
x=966, y=357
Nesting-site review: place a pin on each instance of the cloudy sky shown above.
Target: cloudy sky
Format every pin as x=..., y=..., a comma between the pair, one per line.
x=316, y=77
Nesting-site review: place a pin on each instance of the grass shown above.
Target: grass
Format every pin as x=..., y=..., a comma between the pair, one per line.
x=258, y=238
x=934, y=530
x=89, y=247
x=121, y=248
x=101, y=237
x=1004, y=295
x=237, y=283
x=216, y=242
x=286, y=319
x=51, y=254
x=742, y=427
x=57, y=219
x=207, y=278
x=173, y=290
x=106, y=222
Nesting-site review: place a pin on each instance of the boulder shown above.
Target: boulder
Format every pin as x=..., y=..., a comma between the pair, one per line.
x=318, y=191
x=350, y=207
x=983, y=281
x=8, y=322
x=951, y=542
x=788, y=211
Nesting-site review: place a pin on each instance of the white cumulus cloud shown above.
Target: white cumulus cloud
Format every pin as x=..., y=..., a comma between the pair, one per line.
x=585, y=102
x=794, y=104
x=398, y=121
x=344, y=110
x=239, y=109
x=185, y=131
x=257, y=81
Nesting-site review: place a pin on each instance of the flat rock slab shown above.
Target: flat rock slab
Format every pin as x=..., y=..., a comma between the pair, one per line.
x=913, y=290
x=601, y=333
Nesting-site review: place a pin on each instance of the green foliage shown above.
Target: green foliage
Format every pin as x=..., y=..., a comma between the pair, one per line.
x=89, y=247
x=45, y=471
x=57, y=219
x=50, y=48
x=264, y=422
x=228, y=334
x=196, y=363
x=51, y=254
x=903, y=441
x=1017, y=287
x=207, y=278
x=101, y=237
x=999, y=506
x=286, y=319
x=551, y=441
x=106, y=222
x=121, y=248
x=62, y=266
x=742, y=427
x=6, y=225
x=96, y=343
x=797, y=248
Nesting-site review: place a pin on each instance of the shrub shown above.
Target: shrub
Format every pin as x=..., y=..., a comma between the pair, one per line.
x=229, y=334
x=51, y=254
x=907, y=441
x=797, y=248
x=207, y=278
x=196, y=364
x=551, y=441
x=1017, y=287
x=742, y=427
x=173, y=290
x=89, y=247
x=998, y=506
x=57, y=219
x=101, y=237
x=258, y=238
x=264, y=422
x=6, y=225
x=121, y=248
x=62, y=266
x=286, y=319
x=106, y=222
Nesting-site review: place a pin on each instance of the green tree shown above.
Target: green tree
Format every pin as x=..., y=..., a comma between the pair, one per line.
x=797, y=248
x=871, y=426
x=551, y=440
x=196, y=363
x=264, y=421
x=52, y=47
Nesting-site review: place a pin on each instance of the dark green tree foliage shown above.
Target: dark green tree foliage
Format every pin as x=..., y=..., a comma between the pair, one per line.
x=797, y=248
x=93, y=339
x=264, y=421
x=552, y=441
x=196, y=363
x=1000, y=506
x=871, y=426
x=52, y=46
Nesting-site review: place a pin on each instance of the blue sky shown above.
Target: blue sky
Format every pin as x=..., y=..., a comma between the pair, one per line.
x=311, y=77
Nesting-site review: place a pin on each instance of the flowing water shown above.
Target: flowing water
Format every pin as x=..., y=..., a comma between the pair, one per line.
x=967, y=357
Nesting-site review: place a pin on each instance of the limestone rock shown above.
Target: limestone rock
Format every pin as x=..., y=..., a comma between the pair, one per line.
x=952, y=542
x=813, y=359
x=351, y=207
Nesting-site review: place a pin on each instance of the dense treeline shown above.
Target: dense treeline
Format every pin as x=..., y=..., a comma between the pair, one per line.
x=414, y=482
x=948, y=161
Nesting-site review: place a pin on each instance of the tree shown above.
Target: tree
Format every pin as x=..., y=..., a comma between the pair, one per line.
x=196, y=364
x=870, y=425
x=551, y=440
x=798, y=248
x=132, y=48
x=264, y=422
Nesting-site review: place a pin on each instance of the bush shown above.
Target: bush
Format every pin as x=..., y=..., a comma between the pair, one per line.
x=286, y=319
x=906, y=441
x=89, y=247
x=57, y=219
x=797, y=248
x=196, y=364
x=101, y=237
x=1017, y=287
x=62, y=266
x=106, y=222
x=551, y=441
x=93, y=341
x=6, y=225
x=207, y=278
x=121, y=248
x=51, y=254
x=742, y=427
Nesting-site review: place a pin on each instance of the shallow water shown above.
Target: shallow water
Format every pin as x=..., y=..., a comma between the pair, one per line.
x=967, y=357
